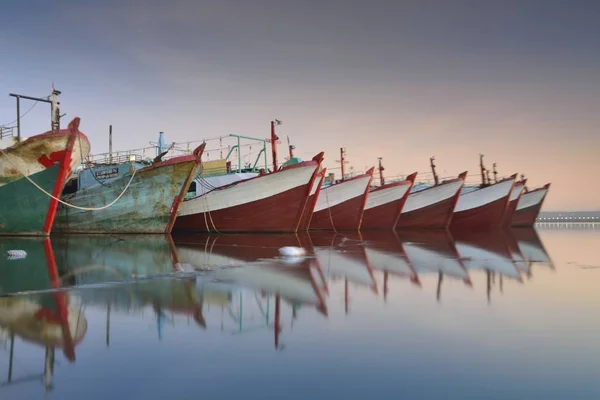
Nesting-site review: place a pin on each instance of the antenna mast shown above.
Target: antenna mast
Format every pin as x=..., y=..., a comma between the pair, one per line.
x=274, y=140
x=435, y=176
x=482, y=169
x=343, y=161
x=55, y=111
x=381, y=169
x=291, y=148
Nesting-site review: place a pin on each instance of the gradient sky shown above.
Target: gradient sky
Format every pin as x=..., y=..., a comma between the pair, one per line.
x=518, y=81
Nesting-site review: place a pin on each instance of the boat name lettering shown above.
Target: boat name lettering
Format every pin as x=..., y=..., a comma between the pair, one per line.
x=107, y=173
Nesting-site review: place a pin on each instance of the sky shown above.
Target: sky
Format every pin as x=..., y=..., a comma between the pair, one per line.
x=517, y=81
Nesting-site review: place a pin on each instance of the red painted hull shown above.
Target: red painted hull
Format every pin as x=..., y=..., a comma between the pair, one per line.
x=527, y=216
x=310, y=204
x=435, y=216
x=345, y=216
x=509, y=214
x=487, y=217
x=277, y=213
x=385, y=216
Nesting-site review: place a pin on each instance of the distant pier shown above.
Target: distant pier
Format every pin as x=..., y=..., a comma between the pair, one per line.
x=579, y=219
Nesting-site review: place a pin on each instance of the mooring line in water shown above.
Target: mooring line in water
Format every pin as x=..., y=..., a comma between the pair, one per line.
x=329, y=210
x=6, y=156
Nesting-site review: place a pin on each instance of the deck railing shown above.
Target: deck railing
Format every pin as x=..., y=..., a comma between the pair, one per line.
x=7, y=131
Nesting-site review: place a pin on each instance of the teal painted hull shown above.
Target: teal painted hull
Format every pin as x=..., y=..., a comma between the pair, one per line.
x=90, y=259
x=23, y=207
x=143, y=208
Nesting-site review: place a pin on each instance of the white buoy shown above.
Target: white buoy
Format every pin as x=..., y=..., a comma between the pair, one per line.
x=15, y=254
x=291, y=251
x=179, y=267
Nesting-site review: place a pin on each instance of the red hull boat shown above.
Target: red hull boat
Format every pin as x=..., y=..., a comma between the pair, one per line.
x=341, y=205
x=529, y=207
x=384, y=204
x=273, y=202
x=484, y=208
x=431, y=207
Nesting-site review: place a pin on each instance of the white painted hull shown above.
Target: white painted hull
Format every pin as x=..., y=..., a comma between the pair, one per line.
x=517, y=191
x=249, y=191
x=384, y=196
x=339, y=193
x=23, y=157
x=208, y=183
x=532, y=198
x=484, y=196
x=431, y=196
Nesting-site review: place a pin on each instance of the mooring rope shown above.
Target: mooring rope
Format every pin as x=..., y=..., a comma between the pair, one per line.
x=329, y=211
x=7, y=157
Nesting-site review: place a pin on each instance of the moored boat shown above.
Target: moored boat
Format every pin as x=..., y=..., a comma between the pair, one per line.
x=529, y=207
x=515, y=196
x=484, y=208
x=145, y=200
x=272, y=202
x=32, y=175
x=385, y=203
x=431, y=207
x=315, y=190
x=341, y=205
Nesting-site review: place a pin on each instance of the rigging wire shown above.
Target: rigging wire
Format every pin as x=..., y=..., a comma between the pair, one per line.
x=21, y=116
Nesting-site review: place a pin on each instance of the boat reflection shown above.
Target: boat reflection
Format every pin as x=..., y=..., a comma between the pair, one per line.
x=343, y=257
x=385, y=252
x=33, y=309
x=232, y=283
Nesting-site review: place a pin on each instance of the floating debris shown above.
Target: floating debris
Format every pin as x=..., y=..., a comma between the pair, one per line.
x=292, y=251
x=15, y=254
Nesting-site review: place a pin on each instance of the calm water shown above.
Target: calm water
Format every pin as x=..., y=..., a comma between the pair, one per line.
x=419, y=315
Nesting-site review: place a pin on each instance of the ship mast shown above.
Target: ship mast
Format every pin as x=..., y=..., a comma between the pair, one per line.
x=343, y=161
x=291, y=148
x=435, y=176
x=55, y=111
x=274, y=140
x=381, y=169
x=495, y=173
x=482, y=169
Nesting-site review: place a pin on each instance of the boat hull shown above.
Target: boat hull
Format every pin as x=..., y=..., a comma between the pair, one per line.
x=341, y=206
x=482, y=209
x=47, y=160
x=147, y=206
x=39, y=152
x=384, y=206
x=311, y=202
x=512, y=204
x=529, y=207
x=267, y=203
x=24, y=208
x=431, y=208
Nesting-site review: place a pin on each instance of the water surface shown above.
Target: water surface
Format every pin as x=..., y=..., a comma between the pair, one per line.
x=412, y=315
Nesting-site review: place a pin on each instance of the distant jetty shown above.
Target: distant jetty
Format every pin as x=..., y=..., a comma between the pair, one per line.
x=569, y=217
